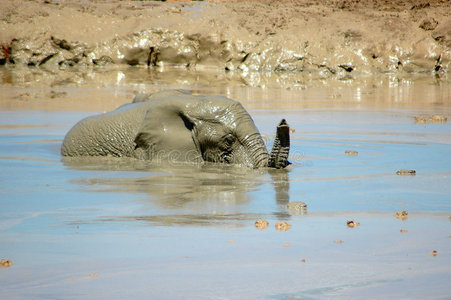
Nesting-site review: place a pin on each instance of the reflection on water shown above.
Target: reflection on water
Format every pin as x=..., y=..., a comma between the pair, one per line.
x=207, y=192
x=180, y=186
x=281, y=183
x=107, y=88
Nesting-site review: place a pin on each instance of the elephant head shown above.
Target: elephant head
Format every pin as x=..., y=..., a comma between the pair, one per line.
x=178, y=126
x=206, y=128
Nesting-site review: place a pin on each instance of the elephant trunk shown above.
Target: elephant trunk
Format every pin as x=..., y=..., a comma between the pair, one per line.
x=279, y=154
x=258, y=154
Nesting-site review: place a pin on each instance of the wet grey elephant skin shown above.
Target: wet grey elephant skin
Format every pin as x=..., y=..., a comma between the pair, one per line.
x=176, y=126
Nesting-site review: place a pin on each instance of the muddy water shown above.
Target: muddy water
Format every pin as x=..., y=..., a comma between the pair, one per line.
x=109, y=228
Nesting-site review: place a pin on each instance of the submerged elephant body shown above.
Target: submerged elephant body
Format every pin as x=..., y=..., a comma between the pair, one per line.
x=178, y=126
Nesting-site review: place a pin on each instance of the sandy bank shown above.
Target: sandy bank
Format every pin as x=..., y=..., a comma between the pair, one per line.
x=332, y=37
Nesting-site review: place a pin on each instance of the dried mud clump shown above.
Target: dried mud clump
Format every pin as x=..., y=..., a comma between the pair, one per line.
x=297, y=207
x=404, y=172
x=283, y=226
x=352, y=224
x=351, y=152
x=261, y=224
x=103, y=60
x=403, y=231
x=442, y=34
x=5, y=54
x=5, y=263
x=402, y=215
x=428, y=24
x=338, y=242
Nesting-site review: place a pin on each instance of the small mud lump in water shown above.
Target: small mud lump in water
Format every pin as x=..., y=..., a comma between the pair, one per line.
x=405, y=172
x=283, y=226
x=440, y=119
x=351, y=152
x=5, y=263
x=261, y=224
x=352, y=224
x=297, y=207
x=402, y=215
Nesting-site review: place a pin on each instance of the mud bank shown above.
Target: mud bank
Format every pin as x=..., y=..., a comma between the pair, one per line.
x=331, y=37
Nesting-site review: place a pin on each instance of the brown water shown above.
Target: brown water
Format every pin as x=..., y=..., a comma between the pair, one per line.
x=114, y=229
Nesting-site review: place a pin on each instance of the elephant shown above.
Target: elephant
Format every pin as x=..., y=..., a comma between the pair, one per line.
x=177, y=126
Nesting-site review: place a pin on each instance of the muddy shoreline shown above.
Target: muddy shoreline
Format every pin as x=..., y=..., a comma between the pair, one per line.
x=329, y=37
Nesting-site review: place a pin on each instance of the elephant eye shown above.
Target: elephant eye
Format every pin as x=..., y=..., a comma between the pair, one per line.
x=229, y=139
x=226, y=143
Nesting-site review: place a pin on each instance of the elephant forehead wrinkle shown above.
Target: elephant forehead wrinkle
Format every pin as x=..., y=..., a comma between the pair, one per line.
x=228, y=120
x=213, y=111
x=227, y=117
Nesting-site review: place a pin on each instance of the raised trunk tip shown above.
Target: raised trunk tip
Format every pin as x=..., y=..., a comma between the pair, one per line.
x=279, y=154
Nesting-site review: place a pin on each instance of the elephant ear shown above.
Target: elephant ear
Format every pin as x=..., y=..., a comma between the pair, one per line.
x=142, y=140
x=191, y=124
x=167, y=129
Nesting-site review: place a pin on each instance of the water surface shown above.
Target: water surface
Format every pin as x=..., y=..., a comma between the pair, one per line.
x=115, y=228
